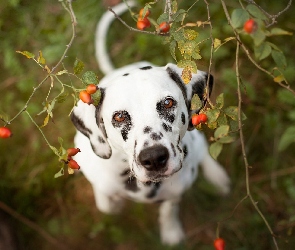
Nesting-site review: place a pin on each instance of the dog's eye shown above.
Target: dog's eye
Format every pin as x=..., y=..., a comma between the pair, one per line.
x=168, y=103
x=119, y=117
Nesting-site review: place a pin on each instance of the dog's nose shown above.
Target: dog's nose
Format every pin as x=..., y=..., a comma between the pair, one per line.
x=154, y=158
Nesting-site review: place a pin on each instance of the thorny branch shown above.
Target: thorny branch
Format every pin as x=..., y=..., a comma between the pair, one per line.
x=270, y=16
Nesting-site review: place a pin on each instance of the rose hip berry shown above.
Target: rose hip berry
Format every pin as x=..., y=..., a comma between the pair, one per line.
x=91, y=89
x=5, y=132
x=147, y=13
x=219, y=244
x=198, y=119
x=143, y=23
x=73, y=151
x=85, y=97
x=250, y=26
x=164, y=27
x=73, y=164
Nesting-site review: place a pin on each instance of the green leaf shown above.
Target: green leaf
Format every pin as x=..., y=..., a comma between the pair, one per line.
x=220, y=101
x=239, y=17
x=279, y=59
x=256, y=12
x=190, y=34
x=89, y=77
x=196, y=102
x=78, y=66
x=179, y=15
x=287, y=138
x=96, y=97
x=221, y=131
x=286, y=97
x=279, y=32
x=232, y=112
x=26, y=54
x=222, y=120
x=54, y=149
x=172, y=47
x=212, y=115
x=178, y=36
x=59, y=173
x=163, y=18
x=262, y=51
x=215, y=149
x=61, y=98
x=258, y=37
x=227, y=139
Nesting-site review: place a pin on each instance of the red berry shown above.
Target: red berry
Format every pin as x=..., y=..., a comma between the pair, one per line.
x=5, y=132
x=250, y=26
x=147, y=13
x=195, y=120
x=85, y=97
x=73, y=164
x=73, y=151
x=164, y=27
x=143, y=23
x=91, y=89
x=203, y=118
x=219, y=244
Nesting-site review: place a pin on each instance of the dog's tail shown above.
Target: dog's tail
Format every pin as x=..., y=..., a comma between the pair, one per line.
x=104, y=62
x=215, y=174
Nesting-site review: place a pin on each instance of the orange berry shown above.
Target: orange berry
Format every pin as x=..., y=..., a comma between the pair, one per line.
x=91, y=89
x=195, y=120
x=219, y=244
x=73, y=164
x=73, y=151
x=250, y=26
x=143, y=23
x=5, y=132
x=85, y=97
x=203, y=118
x=147, y=13
x=164, y=27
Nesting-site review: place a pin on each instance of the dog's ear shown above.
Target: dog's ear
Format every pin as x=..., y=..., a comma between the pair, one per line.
x=197, y=85
x=85, y=118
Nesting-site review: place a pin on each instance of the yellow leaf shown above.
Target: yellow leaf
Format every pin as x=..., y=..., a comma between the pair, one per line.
x=186, y=75
x=279, y=78
x=47, y=69
x=71, y=171
x=46, y=120
x=26, y=54
x=217, y=43
x=41, y=59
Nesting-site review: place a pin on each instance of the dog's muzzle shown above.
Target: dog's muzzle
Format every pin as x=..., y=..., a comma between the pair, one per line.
x=154, y=158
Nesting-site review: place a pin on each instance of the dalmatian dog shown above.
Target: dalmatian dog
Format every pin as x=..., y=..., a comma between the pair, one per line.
x=138, y=143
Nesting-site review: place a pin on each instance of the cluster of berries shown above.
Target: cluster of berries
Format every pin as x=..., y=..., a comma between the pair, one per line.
x=85, y=95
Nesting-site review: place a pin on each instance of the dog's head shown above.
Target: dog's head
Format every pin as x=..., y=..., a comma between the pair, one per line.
x=143, y=113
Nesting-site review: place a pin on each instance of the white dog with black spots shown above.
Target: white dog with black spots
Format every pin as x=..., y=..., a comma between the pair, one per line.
x=138, y=142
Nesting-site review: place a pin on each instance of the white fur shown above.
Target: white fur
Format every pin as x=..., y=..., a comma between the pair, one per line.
x=138, y=93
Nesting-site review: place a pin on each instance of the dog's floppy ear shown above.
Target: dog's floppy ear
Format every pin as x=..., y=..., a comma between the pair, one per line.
x=85, y=118
x=197, y=85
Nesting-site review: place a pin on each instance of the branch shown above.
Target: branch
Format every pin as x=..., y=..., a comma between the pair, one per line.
x=272, y=17
x=34, y=226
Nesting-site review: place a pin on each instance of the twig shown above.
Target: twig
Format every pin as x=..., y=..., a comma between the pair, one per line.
x=247, y=166
x=286, y=85
x=136, y=30
x=69, y=9
x=272, y=17
x=34, y=226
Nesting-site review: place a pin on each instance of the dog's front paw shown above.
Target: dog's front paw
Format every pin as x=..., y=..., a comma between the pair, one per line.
x=172, y=236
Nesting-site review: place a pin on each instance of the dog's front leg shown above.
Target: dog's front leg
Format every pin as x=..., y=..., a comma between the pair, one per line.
x=109, y=204
x=170, y=226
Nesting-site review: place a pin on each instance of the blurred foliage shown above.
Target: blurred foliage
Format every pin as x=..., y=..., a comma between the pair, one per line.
x=65, y=208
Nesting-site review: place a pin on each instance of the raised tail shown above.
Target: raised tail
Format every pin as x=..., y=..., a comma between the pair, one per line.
x=215, y=174
x=104, y=62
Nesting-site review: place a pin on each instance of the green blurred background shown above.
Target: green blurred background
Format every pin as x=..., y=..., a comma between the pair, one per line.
x=64, y=207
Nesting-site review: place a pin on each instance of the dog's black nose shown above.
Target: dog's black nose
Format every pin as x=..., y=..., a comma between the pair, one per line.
x=154, y=158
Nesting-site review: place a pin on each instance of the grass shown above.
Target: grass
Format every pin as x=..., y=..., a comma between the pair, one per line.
x=65, y=208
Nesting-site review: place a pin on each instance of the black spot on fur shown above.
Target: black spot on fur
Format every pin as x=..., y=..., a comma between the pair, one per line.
x=125, y=126
x=124, y=160
x=154, y=190
x=193, y=171
x=183, y=118
x=146, y=67
x=131, y=184
x=184, y=148
x=126, y=74
x=79, y=124
x=173, y=149
x=166, y=127
x=147, y=129
x=101, y=140
x=166, y=113
x=145, y=144
x=156, y=137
